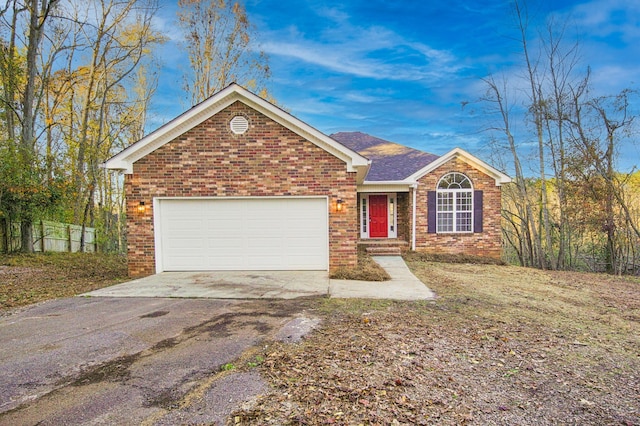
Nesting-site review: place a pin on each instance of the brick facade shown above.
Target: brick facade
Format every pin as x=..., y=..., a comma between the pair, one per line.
x=268, y=160
x=404, y=217
x=487, y=243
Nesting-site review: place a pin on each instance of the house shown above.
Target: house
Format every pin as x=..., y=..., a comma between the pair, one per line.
x=236, y=183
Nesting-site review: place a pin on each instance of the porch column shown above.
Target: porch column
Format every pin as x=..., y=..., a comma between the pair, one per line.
x=414, y=188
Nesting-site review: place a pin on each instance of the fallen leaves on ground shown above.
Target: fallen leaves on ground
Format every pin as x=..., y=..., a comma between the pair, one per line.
x=33, y=278
x=503, y=345
x=366, y=270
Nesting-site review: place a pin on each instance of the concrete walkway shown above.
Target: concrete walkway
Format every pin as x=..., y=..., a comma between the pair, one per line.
x=402, y=286
x=273, y=285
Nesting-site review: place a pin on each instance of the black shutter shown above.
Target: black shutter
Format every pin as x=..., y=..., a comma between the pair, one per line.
x=431, y=212
x=477, y=211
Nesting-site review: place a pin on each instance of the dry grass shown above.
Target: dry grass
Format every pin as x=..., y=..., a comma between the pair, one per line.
x=27, y=279
x=414, y=256
x=367, y=270
x=501, y=345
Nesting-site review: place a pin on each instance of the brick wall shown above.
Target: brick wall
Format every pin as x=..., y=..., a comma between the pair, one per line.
x=404, y=217
x=487, y=243
x=210, y=161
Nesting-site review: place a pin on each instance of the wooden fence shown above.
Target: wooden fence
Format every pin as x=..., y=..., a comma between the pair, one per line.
x=49, y=236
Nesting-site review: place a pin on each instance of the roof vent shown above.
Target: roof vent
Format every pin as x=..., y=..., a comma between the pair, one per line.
x=239, y=124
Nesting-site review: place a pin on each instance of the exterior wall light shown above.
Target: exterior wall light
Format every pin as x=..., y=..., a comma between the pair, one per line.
x=141, y=207
x=339, y=204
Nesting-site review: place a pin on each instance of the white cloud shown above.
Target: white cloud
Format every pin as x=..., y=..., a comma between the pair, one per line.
x=606, y=17
x=612, y=78
x=361, y=51
x=363, y=97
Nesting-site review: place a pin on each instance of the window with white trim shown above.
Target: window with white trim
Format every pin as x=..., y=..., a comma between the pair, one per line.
x=364, y=217
x=454, y=204
x=392, y=215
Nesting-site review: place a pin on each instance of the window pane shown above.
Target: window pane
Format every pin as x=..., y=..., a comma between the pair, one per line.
x=364, y=215
x=463, y=201
x=463, y=222
x=445, y=222
x=445, y=202
x=454, y=181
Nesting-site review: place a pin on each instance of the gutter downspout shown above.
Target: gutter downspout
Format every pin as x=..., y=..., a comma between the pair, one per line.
x=413, y=217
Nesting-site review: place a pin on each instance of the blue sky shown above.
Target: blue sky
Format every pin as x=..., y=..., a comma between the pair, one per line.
x=402, y=70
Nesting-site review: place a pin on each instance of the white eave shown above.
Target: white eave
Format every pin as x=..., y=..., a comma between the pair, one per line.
x=384, y=186
x=499, y=177
x=124, y=160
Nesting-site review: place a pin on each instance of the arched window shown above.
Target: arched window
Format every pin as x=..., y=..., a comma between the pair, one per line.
x=454, y=204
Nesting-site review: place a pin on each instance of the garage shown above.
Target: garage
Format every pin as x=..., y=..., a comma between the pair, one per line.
x=208, y=234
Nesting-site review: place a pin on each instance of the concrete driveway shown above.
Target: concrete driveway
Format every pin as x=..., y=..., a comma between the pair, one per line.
x=135, y=360
x=274, y=285
x=223, y=285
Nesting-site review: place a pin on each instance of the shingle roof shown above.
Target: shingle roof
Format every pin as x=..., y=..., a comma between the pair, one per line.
x=389, y=161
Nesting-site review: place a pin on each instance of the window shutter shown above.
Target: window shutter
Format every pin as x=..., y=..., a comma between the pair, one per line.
x=431, y=212
x=477, y=211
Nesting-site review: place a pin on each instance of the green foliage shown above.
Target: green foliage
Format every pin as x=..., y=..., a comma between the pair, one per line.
x=24, y=194
x=227, y=367
x=256, y=361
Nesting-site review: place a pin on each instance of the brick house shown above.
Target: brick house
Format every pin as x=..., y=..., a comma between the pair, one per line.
x=236, y=183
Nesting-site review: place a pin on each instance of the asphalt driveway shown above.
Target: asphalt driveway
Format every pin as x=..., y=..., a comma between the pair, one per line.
x=134, y=360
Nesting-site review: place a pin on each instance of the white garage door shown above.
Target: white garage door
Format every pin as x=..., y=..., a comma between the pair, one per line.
x=242, y=234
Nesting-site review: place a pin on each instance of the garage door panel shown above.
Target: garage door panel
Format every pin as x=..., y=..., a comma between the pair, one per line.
x=293, y=246
x=251, y=234
x=226, y=263
x=224, y=231
x=192, y=245
x=192, y=262
x=225, y=243
x=186, y=224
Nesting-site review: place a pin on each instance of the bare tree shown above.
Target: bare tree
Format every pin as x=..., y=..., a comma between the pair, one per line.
x=548, y=220
x=534, y=77
x=597, y=125
x=522, y=218
x=219, y=40
x=119, y=36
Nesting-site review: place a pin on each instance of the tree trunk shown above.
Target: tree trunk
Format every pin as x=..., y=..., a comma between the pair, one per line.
x=4, y=225
x=26, y=236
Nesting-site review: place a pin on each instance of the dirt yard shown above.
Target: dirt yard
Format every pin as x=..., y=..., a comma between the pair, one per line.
x=502, y=345
x=27, y=279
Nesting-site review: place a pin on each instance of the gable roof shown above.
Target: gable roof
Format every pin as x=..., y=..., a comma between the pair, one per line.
x=463, y=155
x=393, y=163
x=124, y=160
x=390, y=161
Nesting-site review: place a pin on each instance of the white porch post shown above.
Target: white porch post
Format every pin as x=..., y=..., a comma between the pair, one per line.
x=414, y=187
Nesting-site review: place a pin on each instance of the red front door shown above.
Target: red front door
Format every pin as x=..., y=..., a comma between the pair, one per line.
x=378, y=224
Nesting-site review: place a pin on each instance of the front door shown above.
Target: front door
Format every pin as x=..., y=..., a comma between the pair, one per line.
x=378, y=225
